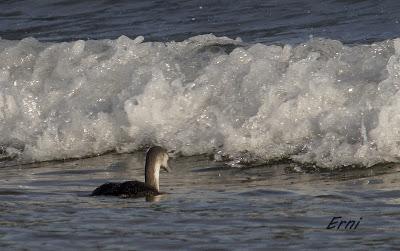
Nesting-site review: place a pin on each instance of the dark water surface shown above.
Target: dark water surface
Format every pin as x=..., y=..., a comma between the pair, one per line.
x=208, y=207
x=287, y=21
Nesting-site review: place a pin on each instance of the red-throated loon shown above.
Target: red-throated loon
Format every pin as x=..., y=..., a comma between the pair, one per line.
x=156, y=158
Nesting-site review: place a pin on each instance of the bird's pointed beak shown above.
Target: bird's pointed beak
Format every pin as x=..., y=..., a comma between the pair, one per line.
x=167, y=168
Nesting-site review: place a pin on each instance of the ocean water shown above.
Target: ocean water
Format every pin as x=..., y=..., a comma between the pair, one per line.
x=278, y=115
x=208, y=206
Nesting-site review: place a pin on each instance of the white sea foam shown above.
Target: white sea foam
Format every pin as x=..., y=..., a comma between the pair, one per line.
x=319, y=102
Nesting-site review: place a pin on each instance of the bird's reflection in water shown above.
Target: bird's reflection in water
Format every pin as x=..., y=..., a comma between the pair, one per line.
x=152, y=198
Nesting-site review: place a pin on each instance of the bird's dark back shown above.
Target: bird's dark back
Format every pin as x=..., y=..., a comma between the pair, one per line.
x=125, y=189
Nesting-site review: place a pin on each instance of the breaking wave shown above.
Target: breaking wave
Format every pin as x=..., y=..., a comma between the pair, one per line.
x=320, y=102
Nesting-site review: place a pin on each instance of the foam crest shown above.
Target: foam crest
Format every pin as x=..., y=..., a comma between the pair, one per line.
x=320, y=102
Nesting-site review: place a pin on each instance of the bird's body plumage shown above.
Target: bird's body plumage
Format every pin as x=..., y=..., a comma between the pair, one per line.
x=156, y=158
x=127, y=189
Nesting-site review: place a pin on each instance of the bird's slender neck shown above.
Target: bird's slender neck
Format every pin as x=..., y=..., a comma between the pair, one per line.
x=152, y=173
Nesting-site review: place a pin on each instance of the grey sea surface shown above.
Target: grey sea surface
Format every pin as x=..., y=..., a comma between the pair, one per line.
x=208, y=206
x=271, y=21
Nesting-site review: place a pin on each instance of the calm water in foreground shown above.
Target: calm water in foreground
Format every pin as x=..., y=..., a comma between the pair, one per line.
x=209, y=206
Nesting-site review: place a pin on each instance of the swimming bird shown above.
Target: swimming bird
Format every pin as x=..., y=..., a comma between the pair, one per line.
x=156, y=158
